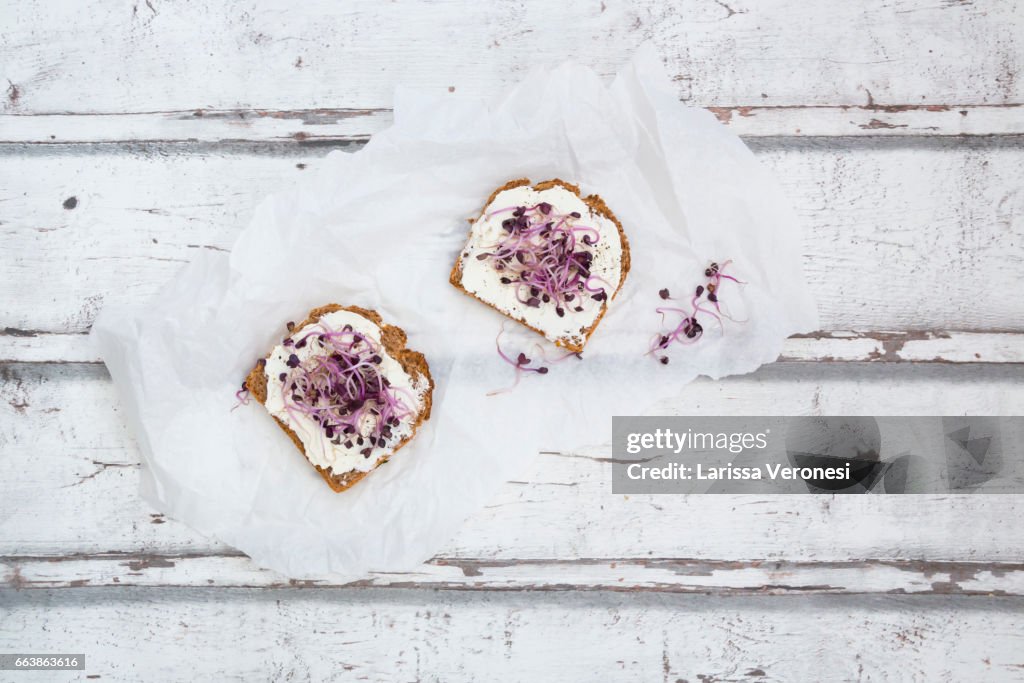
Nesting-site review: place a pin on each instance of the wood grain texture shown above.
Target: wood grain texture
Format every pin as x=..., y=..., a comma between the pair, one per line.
x=61, y=453
x=355, y=125
x=660, y=575
x=884, y=222
x=132, y=634
x=161, y=56
x=134, y=134
x=912, y=346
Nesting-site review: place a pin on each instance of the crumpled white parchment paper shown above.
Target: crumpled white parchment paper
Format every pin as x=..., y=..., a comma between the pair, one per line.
x=380, y=228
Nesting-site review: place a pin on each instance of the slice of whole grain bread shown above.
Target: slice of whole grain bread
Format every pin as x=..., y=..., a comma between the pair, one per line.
x=597, y=205
x=394, y=340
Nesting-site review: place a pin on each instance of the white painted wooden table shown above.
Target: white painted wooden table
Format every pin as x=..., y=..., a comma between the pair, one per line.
x=133, y=134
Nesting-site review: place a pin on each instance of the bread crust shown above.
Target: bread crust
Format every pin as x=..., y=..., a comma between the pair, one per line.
x=597, y=205
x=393, y=339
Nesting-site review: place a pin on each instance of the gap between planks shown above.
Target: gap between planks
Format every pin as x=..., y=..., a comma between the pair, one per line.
x=661, y=575
x=261, y=125
x=915, y=346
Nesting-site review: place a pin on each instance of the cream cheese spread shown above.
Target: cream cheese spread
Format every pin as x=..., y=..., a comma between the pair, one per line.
x=320, y=449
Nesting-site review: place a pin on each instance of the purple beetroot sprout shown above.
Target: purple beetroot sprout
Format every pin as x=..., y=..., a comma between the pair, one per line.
x=689, y=329
x=541, y=254
x=522, y=362
x=544, y=256
x=554, y=361
x=341, y=387
x=241, y=396
x=717, y=275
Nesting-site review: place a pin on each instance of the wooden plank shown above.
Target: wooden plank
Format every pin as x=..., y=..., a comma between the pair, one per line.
x=885, y=223
x=720, y=577
x=27, y=346
x=870, y=120
x=341, y=125
x=131, y=58
x=920, y=346
x=70, y=477
x=197, y=126
x=211, y=634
